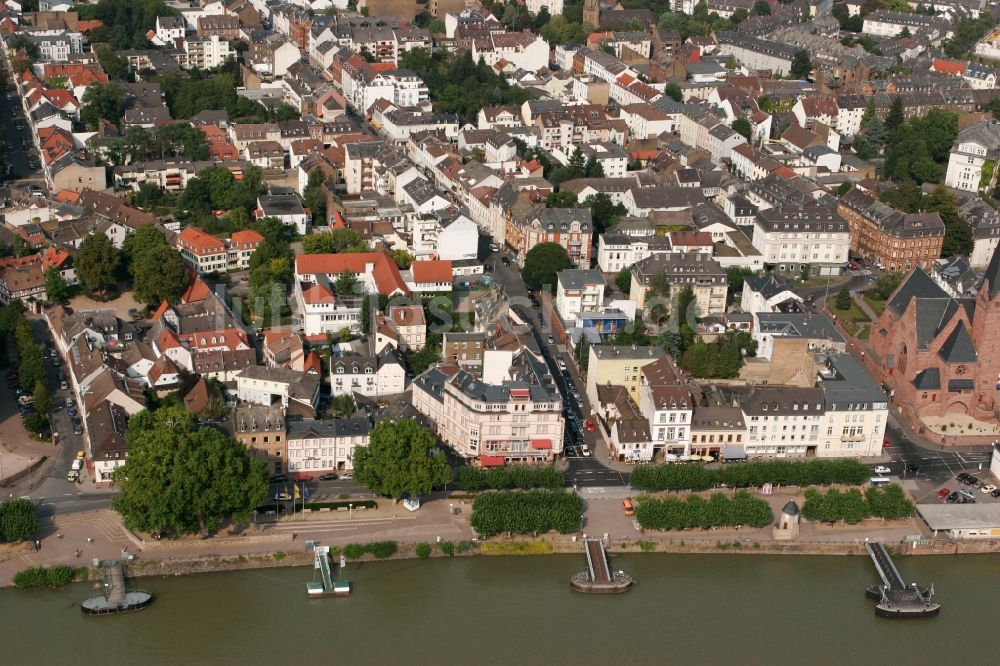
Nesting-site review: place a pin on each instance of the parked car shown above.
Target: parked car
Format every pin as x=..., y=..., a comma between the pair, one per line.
x=80, y=455
x=551, y=340
x=995, y=493
x=943, y=493
x=953, y=497
x=912, y=469
x=971, y=481
x=27, y=409
x=561, y=363
x=328, y=477
x=73, y=476
x=589, y=425
x=77, y=430
x=963, y=476
x=346, y=477
x=585, y=450
x=987, y=489
x=71, y=411
x=967, y=494
x=882, y=469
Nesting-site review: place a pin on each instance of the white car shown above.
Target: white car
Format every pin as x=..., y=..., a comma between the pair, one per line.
x=882, y=469
x=585, y=450
x=986, y=490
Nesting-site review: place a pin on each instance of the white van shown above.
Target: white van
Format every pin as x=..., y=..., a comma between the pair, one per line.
x=880, y=481
x=77, y=464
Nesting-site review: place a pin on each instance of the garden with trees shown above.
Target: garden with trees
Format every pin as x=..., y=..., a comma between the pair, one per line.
x=526, y=512
x=180, y=478
x=694, y=511
x=458, y=85
x=401, y=459
x=852, y=506
x=749, y=474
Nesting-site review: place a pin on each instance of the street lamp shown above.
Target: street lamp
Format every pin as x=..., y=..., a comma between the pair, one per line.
x=350, y=510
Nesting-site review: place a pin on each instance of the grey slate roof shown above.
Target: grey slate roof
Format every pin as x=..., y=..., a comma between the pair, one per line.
x=769, y=284
x=811, y=326
x=958, y=347
x=356, y=426
x=579, y=278
x=928, y=380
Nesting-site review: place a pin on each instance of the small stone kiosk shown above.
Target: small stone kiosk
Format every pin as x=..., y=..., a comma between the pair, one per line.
x=787, y=527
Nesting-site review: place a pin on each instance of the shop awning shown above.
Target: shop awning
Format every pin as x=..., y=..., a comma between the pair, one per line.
x=733, y=453
x=541, y=443
x=491, y=461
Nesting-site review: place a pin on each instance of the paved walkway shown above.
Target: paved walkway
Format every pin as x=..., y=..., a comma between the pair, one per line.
x=100, y=534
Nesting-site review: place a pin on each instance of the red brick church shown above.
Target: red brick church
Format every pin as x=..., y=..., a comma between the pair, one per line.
x=941, y=355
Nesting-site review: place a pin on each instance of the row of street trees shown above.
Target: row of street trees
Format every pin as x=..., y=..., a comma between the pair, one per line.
x=526, y=512
x=851, y=506
x=502, y=478
x=694, y=511
x=744, y=475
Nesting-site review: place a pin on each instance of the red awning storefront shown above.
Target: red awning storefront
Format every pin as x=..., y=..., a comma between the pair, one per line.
x=491, y=461
x=540, y=444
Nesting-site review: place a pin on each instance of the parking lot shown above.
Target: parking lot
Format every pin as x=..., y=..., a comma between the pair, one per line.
x=965, y=488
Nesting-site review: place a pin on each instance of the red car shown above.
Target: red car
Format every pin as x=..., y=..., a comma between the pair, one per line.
x=589, y=425
x=944, y=492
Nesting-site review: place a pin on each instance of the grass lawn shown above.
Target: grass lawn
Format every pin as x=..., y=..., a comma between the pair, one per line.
x=876, y=304
x=853, y=314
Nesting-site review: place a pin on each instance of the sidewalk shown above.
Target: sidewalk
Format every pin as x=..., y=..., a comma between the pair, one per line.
x=101, y=534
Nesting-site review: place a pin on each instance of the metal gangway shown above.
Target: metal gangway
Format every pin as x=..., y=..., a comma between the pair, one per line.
x=884, y=565
x=323, y=564
x=113, y=575
x=597, y=561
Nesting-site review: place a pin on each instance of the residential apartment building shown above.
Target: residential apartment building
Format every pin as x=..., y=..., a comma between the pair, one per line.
x=569, y=227
x=856, y=410
x=209, y=254
x=811, y=235
x=971, y=165
x=578, y=291
x=325, y=311
x=297, y=392
x=609, y=365
x=317, y=447
x=890, y=238
x=261, y=429
x=697, y=271
x=783, y=421
x=666, y=401
x=516, y=420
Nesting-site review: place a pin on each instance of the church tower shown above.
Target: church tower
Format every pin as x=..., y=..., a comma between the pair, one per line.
x=985, y=328
x=592, y=12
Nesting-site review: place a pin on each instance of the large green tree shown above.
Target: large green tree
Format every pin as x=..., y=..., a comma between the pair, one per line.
x=102, y=100
x=17, y=520
x=543, y=262
x=96, y=263
x=401, y=459
x=801, y=66
x=160, y=275
x=180, y=478
x=55, y=285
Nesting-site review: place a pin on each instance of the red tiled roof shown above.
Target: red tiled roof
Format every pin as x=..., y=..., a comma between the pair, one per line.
x=223, y=152
x=199, y=242
x=953, y=67
x=316, y=294
x=230, y=338
x=425, y=272
x=54, y=257
x=312, y=363
x=197, y=291
x=245, y=236
x=384, y=271
x=160, y=310
x=67, y=196
x=689, y=238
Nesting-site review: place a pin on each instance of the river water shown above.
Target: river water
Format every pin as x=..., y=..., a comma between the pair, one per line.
x=686, y=609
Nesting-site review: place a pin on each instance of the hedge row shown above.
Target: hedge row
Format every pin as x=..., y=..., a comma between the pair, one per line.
x=674, y=513
x=505, y=478
x=743, y=475
x=852, y=506
x=56, y=576
x=17, y=520
x=379, y=549
x=533, y=511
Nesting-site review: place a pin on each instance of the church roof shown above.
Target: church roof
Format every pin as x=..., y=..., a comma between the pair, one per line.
x=918, y=284
x=958, y=348
x=993, y=275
